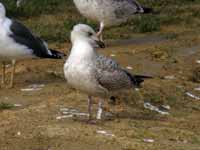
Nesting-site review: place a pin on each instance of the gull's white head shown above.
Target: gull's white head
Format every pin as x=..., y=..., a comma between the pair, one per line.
x=2, y=11
x=87, y=34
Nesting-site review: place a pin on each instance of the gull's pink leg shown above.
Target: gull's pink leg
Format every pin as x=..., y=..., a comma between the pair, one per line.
x=3, y=73
x=100, y=109
x=12, y=74
x=90, y=107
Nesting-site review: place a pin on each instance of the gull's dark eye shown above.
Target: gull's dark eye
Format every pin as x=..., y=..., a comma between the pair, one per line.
x=90, y=33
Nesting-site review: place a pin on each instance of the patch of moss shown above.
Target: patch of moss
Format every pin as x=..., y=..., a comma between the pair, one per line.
x=147, y=23
x=4, y=106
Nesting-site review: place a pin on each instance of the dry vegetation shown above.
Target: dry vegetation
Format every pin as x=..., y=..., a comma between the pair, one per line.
x=165, y=44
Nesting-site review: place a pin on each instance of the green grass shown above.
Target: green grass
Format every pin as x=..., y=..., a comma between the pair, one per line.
x=4, y=106
x=35, y=7
x=153, y=97
x=62, y=16
x=147, y=23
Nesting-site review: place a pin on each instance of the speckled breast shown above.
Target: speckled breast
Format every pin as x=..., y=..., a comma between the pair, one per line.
x=81, y=78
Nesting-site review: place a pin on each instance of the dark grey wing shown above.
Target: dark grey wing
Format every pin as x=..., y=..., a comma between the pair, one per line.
x=20, y=30
x=23, y=36
x=110, y=75
x=126, y=8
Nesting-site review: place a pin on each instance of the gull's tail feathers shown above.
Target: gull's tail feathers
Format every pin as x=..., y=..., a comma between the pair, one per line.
x=147, y=10
x=49, y=53
x=56, y=54
x=137, y=79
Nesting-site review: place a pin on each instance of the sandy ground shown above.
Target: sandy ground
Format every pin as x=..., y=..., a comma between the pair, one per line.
x=35, y=125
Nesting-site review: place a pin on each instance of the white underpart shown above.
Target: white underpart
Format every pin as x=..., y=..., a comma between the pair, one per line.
x=79, y=68
x=9, y=49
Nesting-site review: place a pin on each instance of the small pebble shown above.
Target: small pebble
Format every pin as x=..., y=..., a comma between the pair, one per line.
x=185, y=141
x=18, y=133
x=137, y=89
x=172, y=77
x=64, y=116
x=112, y=55
x=6, y=98
x=198, y=61
x=197, y=89
x=149, y=140
x=7, y=66
x=129, y=68
x=17, y=105
x=105, y=133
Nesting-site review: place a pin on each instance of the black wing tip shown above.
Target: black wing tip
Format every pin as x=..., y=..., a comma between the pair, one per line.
x=147, y=10
x=143, y=76
x=137, y=79
x=56, y=54
x=140, y=78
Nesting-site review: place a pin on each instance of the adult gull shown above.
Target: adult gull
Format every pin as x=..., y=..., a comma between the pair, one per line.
x=110, y=12
x=94, y=74
x=17, y=42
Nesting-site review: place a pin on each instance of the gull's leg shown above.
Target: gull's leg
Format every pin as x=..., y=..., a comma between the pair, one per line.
x=100, y=32
x=18, y=3
x=100, y=109
x=12, y=73
x=90, y=107
x=3, y=73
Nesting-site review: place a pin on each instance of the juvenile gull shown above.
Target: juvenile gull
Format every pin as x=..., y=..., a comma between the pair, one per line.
x=110, y=12
x=94, y=74
x=17, y=42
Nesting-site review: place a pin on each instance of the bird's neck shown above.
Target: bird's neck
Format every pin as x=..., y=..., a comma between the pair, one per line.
x=82, y=50
x=4, y=27
x=2, y=19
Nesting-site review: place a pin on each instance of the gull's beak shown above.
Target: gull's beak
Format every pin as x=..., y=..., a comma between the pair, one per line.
x=100, y=44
